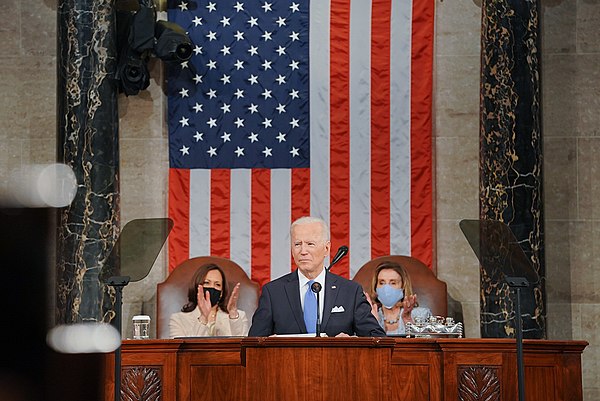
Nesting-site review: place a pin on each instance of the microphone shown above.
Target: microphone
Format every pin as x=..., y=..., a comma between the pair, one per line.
x=316, y=288
x=341, y=252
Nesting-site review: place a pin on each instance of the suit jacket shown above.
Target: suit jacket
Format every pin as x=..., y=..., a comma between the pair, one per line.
x=186, y=324
x=345, y=309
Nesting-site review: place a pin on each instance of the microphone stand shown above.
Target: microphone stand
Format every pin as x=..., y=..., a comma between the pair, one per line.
x=318, y=331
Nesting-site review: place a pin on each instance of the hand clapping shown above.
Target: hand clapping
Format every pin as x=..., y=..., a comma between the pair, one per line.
x=232, y=304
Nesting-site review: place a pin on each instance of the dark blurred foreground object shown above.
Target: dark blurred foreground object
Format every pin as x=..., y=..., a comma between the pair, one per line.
x=29, y=369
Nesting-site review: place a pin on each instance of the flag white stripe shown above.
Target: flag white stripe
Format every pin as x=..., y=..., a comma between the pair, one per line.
x=199, y=228
x=360, y=134
x=400, y=206
x=240, y=223
x=281, y=188
x=319, y=108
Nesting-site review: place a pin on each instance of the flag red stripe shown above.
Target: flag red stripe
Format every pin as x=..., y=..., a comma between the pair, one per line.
x=261, y=226
x=380, y=128
x=179, y=212
x=421, y=126
x=220, y=212
x=300, y=196
x=339, y=179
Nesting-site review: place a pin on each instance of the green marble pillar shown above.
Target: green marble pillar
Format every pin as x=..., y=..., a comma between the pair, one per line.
x=88, y=142
x=511, y=157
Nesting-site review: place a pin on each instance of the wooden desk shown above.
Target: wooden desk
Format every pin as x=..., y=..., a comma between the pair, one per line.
x=329, y=369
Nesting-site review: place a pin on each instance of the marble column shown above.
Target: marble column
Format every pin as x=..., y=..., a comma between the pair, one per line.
x=511, y=157
x=88, y=142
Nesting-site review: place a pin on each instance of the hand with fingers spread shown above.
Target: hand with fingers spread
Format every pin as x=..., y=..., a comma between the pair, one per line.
x=374, y=306
x=232, y=304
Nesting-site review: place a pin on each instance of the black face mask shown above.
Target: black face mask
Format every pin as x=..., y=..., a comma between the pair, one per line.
x=215, y=295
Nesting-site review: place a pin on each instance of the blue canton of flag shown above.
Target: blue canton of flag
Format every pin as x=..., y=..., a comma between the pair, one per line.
x=241, y=101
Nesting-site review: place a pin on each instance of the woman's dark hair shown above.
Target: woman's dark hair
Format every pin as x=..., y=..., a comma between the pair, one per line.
x=198, y=279
x=398, y=268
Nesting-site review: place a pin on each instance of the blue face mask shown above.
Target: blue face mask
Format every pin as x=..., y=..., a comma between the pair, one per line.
x=389, y=296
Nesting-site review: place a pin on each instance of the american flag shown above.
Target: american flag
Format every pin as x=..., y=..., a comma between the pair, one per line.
x=290, y=108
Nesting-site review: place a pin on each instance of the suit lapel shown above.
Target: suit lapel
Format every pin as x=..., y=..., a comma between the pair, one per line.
x=292, y=291
x=331, y=292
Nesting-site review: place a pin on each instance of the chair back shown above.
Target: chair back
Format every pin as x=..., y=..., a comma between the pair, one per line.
x=431, y=292
x=172, y=293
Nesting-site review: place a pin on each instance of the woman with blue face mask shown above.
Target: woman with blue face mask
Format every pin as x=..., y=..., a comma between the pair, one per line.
x=210, y=310
x=392, y=299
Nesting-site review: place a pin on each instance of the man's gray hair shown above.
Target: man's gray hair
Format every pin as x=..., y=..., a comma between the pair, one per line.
x=309, y=220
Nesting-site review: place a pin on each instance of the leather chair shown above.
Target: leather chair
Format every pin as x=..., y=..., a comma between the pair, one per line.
x=172, y=293
x=431, y=292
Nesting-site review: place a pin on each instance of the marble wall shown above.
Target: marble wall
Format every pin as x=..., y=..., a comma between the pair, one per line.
x=571, y=127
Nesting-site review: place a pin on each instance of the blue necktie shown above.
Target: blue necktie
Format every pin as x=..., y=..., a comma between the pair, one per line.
x=310, y=309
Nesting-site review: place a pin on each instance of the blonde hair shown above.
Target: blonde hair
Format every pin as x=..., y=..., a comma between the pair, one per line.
x=398, y=268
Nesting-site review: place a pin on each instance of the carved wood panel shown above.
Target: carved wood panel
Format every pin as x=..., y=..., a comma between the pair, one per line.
x=478, y=383
x=141, y=383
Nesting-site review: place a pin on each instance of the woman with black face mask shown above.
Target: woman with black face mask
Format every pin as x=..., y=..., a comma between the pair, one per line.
x=210, y=310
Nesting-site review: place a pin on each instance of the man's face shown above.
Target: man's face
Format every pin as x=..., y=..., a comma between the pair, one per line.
x=309, y=248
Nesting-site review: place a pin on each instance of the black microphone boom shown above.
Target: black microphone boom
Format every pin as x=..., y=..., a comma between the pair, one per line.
x=341, y=252
x=316, y=288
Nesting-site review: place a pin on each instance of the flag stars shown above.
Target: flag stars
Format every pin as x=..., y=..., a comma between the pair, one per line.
x=184, y=92
x=239, y=7
x=280, y=137
x=211, y=7
x=267, y=122
x=294, y=152
x=295, y=7
x=294, y=36
x=199, y=136
x=267, y=152
x=197, y=50
x=239, y=36
x=267, y=6
x=253, y=108
x=280, y=51
x=198, y=108
x=294, y=65
x=239, y=65
x=280, y=21
x=267, y=36
x=239, y=93
x=239, y=122
x=197, y=79
x=212, y=122
x=212, y=64
x=211, y=94
x=226, y=50
x=226, y=79
x=253, y=50
x=266, y=65
x=184, y=150
x=212, y=151
x=239, y=151
x=253, y=137
x=183, y=6
x=253, y=21
x=225, y=21
x=280, y=79
x=253, y=79
x=295, y=123
x=197, y=21
x=226, y=108
x=226, y=137
x=211, y=36
x=294, y=94
x=266, y=94
x=280, y=108
x=185, y=122
x=184, y=65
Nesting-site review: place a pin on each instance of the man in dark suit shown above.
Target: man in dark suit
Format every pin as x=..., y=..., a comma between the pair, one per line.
x=286, y=307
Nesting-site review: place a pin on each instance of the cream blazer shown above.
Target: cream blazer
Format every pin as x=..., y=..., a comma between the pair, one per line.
x=187, y=324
